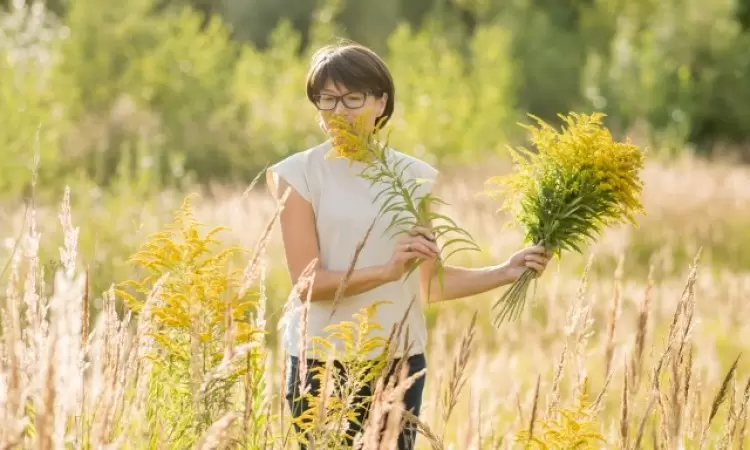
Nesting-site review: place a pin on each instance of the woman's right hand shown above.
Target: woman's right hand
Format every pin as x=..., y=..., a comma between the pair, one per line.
x=418, y=244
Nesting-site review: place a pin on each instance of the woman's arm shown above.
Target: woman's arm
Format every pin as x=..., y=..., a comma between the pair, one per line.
x=301, y=247
x=462, y=282
x=300, y=238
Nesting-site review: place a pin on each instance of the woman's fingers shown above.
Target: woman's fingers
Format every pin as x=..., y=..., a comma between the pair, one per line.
x=537, y=249
x=535, y=266
x=417, y=233
x=414, y=240
x=537, y=259
x=418, y=243
x=536, y=262
x=422, y=231
x=420, y=248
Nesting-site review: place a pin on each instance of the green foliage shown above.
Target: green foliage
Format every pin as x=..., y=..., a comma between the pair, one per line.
x=253, y=21
x=463, y=112
x=268, y=111
x=161, y=79
x=662, y=66
x=33, y=122
x=549, y=54
x=206, y=94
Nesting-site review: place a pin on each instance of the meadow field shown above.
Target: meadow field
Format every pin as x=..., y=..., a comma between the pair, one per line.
x=142, y=274
x=637, y=343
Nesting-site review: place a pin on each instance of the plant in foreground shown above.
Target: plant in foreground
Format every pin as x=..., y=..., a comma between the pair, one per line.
x=573, y=427
x=205, y=341
x=324, y=420
x=579, y=181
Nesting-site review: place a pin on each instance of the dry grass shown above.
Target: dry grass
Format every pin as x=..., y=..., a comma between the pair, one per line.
x=638, y=341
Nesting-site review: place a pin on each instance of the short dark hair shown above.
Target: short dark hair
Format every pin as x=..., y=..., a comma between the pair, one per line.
x=356, y=67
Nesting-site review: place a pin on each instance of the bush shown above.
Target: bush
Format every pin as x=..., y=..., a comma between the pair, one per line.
x=669, y=67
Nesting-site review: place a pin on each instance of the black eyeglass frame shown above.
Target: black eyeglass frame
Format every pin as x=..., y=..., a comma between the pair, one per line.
x=340, y=98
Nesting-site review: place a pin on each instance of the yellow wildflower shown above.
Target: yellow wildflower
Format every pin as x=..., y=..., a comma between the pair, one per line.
x=578, y=181
x=200, y=289
x=350, y=139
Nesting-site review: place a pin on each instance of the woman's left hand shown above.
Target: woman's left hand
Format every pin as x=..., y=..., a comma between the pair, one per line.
x=535, y=258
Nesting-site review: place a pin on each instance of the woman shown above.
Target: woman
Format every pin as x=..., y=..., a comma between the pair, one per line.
x=328, y=211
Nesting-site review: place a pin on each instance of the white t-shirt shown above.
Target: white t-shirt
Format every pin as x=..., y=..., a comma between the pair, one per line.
x=344, y=208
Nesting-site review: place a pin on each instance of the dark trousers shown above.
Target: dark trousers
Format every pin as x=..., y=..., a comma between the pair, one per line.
x=412, y=398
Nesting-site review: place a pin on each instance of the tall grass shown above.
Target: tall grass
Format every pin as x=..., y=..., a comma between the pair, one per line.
x=630, y=347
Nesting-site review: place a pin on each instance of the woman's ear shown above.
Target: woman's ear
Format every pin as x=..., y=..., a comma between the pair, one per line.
x=383, y=101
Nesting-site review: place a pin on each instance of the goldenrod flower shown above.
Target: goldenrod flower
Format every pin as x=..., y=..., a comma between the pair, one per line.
x=199, y=293
x=577, y=181
x=351, y=139
x=572, y=427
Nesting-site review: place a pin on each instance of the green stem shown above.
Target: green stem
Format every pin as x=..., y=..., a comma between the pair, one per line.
x=514, y=299
x=399, y=186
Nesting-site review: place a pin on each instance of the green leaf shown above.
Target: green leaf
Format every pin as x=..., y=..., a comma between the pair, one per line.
x=451, y=253
x=469, y=242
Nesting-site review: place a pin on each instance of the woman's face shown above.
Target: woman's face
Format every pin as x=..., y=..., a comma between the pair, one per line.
x=351, y=104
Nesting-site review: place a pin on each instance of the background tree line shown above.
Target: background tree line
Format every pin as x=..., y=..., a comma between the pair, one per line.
x=163, y=92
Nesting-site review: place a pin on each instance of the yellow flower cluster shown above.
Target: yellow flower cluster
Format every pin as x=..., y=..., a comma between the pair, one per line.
x=578, y=181
x=572, y=427
x=198, y=293
x=350, y=139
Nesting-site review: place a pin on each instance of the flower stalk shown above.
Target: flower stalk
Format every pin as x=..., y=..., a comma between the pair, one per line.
x=404, y=198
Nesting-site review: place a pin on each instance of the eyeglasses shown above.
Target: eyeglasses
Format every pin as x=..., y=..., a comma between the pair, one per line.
x=351, y=100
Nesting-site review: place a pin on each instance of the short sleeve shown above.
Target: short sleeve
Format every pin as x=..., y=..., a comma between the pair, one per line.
x=425, y=173
x=293, y=170
x=428, y=172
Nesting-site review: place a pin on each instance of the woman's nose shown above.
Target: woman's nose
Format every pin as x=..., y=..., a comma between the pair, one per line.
x=340, y=108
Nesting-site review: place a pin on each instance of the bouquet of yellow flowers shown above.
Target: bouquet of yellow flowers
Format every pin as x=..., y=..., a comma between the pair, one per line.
x=577, y=182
